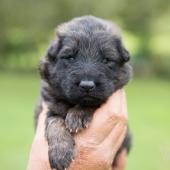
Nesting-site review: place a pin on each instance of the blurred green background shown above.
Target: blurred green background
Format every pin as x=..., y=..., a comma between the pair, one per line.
x=26, y=28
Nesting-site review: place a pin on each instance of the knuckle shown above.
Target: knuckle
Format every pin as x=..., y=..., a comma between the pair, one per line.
x=118, y=118
x=104, y=162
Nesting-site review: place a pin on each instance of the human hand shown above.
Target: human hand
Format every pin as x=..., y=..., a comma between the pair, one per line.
x=96, y=146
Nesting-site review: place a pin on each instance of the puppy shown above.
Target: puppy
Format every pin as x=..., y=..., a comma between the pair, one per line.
x=83, y=66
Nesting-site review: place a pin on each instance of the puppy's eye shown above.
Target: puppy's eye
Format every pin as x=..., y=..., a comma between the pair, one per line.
x=107, y=61
x=69, y=57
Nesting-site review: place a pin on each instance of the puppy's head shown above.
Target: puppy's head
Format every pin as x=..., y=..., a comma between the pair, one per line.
x=86, y=62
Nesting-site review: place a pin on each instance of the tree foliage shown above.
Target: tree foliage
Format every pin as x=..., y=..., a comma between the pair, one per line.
x=26, y=24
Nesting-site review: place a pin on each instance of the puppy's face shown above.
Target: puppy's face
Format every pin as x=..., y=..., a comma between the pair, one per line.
x=86, y=69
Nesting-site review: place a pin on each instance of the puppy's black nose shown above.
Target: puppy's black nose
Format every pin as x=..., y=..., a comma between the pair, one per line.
x=87, y=85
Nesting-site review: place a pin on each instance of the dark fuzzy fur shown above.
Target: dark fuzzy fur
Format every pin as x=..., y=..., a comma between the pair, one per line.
x=84, y=49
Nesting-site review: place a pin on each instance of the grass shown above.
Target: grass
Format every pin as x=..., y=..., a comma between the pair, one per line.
x=149, y=117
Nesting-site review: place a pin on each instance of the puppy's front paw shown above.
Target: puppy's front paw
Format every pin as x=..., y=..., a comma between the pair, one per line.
x=74, y=121
x=61, y=155
x=78, y=118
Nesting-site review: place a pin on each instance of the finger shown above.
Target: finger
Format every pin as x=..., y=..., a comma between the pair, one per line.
x=113, y=100
x=114, y=140
x=40, y=130
x=107, y=116
x=38, y=159
x=124, y=110
x=121, y=160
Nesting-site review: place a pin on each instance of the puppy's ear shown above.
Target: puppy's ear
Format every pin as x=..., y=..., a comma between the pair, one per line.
x=50, y=57
x=124, y=54
x=44, y=69
x=54, y=48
